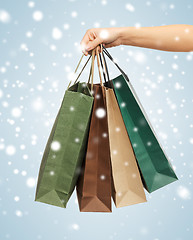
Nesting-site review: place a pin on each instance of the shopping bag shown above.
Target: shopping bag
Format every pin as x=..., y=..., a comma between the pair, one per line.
x=65, y=149
x=94, y=183
x=155, y=168
x=127, y=183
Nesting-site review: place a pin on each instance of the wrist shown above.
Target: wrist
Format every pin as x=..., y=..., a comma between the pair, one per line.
x=126, y=35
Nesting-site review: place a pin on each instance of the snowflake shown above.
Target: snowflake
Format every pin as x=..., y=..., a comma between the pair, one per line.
x=100, y=112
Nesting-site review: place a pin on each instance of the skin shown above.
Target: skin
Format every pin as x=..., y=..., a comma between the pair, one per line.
x=174, y=38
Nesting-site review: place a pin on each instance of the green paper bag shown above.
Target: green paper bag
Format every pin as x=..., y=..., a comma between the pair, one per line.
x=155, y=168
x=65, y=149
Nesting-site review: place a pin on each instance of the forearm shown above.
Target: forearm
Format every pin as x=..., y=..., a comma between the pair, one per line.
x=177, y=38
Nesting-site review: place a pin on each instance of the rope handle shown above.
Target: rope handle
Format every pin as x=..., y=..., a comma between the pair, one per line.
x=77, y=69
x=111, y=58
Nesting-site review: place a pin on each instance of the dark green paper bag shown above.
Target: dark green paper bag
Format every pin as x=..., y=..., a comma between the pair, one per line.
x=65, y=148
x=154, y=166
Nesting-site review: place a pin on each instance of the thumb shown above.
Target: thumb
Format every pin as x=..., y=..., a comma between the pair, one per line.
x=92, y=44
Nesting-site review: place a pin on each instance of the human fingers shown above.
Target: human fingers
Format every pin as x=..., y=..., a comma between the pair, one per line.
x=89, y=36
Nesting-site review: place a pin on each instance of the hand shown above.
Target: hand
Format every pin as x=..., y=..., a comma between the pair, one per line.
x=109, y=37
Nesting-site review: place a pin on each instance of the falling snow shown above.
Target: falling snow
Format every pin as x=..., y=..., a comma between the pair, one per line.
x=4, y=16
x=37, y=16
x=100, y=113
x=39, y=46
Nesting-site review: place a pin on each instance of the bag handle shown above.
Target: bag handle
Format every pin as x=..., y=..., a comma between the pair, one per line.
x=77, y=69
x=104, y=75
x=91, y=74
x=105, y=68
x=98, y=63
x=111, y=58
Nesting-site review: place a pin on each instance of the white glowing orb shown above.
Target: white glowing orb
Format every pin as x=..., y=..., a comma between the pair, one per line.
x=135, y=129
x=56, y=33
x=191, y=140
x=130, y=7
x=189, y=57
x=172, y=6
x=114, y=152
x=25, y=156
x=37, y=16
x=173, y=106
x=100, y=112
x=175, y=130
x=183, y=193
x=74, y=14
x=134, y=175
x=18, y=213
x=163, y=135
x=140, y=57
x=159, y=111
x=38, y=104
x=3, y=70
x=15, y=171
x=149, y=143
x=53, y=47
x=104, y=34
x=31, y=182
x=10, y=150
x=104, y=135
x=22, y=146
x=71, y=108
x=17, y=129
x=16, y=112
x=117, y=84
x=148, y=93
x=96, y=24
x=66, y=26
x=104, y=2
x=23, y=173
x=31, y=4
x=4, y=16
x=16, y=198
x=102, y=177
x=29, y=34
x=113, y=22
x=123, y=104
x=55, y=146
x=75, y=226
x=119, y=194
x=174, y=66
x=117, y=129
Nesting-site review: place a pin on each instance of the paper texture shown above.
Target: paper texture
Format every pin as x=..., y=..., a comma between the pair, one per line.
x=94, y=184
x=155, y=168
x=128, y=187
x=65, y=148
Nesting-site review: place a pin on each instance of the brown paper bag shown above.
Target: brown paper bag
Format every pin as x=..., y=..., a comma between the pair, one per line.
x=94, y=183
x=127, y=183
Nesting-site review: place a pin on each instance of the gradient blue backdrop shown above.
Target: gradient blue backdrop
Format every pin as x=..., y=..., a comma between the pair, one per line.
x=35, y=69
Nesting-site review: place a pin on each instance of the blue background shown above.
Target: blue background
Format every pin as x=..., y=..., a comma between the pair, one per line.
x=33, y=79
